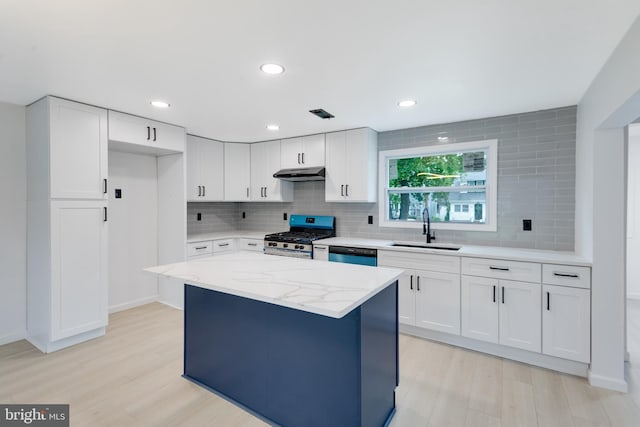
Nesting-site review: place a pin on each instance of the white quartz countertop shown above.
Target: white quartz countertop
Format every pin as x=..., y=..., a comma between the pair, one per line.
x=200, y=237
x=514, y=254
x=326, y=288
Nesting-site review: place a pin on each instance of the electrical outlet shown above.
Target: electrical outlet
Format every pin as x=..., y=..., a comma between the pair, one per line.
x=118, y=194
x=244, y=215
x=526, y=224
x=199, y=216
x=370, y=219
x=284, y=216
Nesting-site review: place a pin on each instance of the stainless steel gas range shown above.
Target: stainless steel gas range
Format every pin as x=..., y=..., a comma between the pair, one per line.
x=303, y=231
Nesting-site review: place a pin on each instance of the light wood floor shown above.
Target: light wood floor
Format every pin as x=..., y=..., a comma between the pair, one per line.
x=132, y=377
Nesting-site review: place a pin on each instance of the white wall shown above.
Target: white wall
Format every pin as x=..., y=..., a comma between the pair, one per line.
x=133, y=229
x=633, y=212
x=611, y=102
x=13, y=226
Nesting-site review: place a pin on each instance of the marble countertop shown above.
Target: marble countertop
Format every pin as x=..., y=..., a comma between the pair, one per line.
x=513, y=254
x=327, y=288
x=227, y=235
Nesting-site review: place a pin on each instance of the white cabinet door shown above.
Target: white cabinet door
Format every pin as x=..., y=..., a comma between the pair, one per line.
x=205, y=169
x=78, y=267
x=479, y=308
x=265, y=161
x=351, y=166
x=78, y=157
x=336, y=166
x=566, y=318
x=313, y=150
x=406, y=298
x=291, y=153
x=520, y=315
x=128, y=129
x=303, y=152
x=237, y=174
x=438, y=301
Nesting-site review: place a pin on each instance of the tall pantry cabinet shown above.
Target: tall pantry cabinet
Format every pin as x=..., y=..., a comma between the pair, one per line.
x=67, y=221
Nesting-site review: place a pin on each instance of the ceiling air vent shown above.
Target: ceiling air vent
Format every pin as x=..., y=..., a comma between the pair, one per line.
x=322, y=114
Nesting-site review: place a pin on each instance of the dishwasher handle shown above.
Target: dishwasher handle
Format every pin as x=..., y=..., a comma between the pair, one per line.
x=345, y=250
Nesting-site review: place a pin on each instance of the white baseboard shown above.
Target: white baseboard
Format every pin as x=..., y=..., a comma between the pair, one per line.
x=536, y=359
x=170, y=305
x=132, y=304
x=51, y=346
x=13, y=337
x=607, y=382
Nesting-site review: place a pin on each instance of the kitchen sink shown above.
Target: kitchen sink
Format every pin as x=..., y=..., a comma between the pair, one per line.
x=427, y=246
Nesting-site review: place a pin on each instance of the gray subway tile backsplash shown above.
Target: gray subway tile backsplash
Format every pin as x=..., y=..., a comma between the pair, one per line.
x=536, y=180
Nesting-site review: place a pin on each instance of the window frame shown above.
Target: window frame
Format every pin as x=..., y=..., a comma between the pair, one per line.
x=490, y=186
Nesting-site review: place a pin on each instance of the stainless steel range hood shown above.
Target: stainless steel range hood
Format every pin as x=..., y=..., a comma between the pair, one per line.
x=301, y=174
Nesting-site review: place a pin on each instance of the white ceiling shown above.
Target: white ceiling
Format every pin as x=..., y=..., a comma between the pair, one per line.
x=460, y=59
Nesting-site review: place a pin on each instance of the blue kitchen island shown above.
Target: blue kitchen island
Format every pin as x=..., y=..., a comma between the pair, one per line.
x=296, y=342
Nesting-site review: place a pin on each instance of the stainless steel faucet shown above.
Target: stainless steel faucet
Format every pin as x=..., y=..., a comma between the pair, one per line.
x=426, y=225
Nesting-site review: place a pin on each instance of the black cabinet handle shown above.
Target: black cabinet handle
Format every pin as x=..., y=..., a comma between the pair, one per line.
x=252, y=244
x=491, y=267
x=221, y=245
x=204, y=190
x=503, y=294
x=199, y=191
x=247, y=192
x=571, y=275
x=494, y=293
x=199, y=248
x=148, y=133
x=104, y=190
x=548, y=301
x=411, y=282
x=303, y=158
x=342, y=190
x=105, y=214
x=418, y=283
x=154, y=134
x=265, y=191
x=298, y=158
x=346, y=190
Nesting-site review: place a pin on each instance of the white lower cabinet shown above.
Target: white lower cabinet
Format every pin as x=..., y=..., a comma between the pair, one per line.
x=78, y=267
x=501, y=311
x=566, y=318
x=427, y=298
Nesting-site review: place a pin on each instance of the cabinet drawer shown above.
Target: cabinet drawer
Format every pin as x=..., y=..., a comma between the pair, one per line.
x=199, y=248
x=566, y=275
x=222, y=246
x=501, y=269
x=251, y=245
x=442, y=263
x=321, y=252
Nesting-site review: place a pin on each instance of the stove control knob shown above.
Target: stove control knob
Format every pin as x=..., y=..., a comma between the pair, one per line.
x=285, y=245
x=273, y=244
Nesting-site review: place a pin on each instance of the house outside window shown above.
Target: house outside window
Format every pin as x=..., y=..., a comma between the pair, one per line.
x=454, y=183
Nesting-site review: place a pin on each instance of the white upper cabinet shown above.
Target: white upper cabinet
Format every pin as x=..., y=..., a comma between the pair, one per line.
x=237, y=172
x=78, y=150
x=303, y=152
x=265, y=161
x=148, y=135
x=205, y=169
x=351, y=162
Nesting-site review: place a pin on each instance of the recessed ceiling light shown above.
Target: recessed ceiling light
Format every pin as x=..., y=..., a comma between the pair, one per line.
x=273, y=127
x=272, y=68
x=443, y=138
x=160, y=104
x=407, y=103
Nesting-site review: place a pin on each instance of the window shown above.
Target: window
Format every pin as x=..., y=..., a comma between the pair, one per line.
x=455, y=184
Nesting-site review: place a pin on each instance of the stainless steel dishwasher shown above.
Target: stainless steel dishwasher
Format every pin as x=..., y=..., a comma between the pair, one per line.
x=349, y=255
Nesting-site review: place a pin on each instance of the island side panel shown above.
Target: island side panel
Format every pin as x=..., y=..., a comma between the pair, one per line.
x=380, y=376
x=292, y=367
